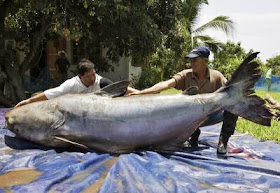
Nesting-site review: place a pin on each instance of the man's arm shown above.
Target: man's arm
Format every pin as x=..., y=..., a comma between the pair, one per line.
x=38, y=97
x=157, y=88
x=131, y=90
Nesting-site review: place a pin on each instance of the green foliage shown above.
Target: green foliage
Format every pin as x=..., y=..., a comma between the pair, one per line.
x=181, y=41
x=161, y=66
x=27, y=16
x=274, y=63
x=171, y=91
x=123, y=27
x=191, y=11
x=259, y=131
x=149, y=76
x=229, y=58
x=161, y=30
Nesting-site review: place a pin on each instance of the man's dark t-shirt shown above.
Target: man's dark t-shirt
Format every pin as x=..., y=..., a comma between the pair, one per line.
x=63, y=65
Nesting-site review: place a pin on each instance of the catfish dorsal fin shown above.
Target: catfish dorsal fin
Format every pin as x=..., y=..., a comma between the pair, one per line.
x=114, y=90
x=192, y=90
x=246, y=66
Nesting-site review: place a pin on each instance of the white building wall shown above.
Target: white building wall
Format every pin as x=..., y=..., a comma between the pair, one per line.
x=134, y=73
x=123, y=70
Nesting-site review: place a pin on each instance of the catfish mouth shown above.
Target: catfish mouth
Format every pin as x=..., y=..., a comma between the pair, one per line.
x=11, y=126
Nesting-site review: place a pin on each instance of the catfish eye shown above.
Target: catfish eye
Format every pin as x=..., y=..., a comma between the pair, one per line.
x=16, y=130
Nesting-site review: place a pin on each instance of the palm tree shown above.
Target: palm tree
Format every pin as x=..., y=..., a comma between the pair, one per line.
x=190, y=11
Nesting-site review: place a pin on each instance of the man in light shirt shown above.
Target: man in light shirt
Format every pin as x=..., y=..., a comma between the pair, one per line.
x=268, y=79
x=86, y=81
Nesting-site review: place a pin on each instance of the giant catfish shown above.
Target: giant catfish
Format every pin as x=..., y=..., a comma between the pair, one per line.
x=124, y=124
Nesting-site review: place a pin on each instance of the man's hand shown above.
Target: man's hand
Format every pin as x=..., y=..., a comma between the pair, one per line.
x=135, y=93
x=157, y=88
x=24, y=102
x=37, y=97
x=131, y=90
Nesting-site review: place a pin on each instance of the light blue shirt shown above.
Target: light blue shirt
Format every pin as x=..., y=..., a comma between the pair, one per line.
x=268, y=74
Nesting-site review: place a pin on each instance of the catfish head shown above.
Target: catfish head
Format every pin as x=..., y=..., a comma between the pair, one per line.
x=33, y=121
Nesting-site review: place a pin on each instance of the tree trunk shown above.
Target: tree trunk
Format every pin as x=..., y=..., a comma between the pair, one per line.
x=273, y=105
x=14, y=88
x=11, y=90
x=4, y=101
x=11, y=68
x=36, y=42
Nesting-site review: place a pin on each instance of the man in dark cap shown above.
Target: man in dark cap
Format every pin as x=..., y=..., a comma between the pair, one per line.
x=202, y=80
x=62, y=65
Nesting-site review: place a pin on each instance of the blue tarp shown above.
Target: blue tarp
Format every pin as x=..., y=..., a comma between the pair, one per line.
x=250, y=166
x=275, y=84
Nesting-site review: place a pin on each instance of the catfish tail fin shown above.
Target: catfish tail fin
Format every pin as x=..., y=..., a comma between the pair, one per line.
x=240, y=88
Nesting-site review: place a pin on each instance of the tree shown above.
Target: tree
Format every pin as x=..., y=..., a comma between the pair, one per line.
x=273, y=63
x=191, y=11
x=169, y=58
x=229, y=57
x=162, y=65
x=124, y=27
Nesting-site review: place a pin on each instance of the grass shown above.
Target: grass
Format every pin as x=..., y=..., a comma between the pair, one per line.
x=258, y=131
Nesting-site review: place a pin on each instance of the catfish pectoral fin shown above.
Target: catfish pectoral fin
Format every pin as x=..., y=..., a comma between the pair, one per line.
x=60, y=120
x=57, y=124
x=71, y=142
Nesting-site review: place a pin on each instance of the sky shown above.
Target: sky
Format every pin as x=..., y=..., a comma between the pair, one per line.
x=257, y=24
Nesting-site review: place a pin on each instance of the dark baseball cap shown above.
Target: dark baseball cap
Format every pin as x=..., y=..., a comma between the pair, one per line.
x=199, y=51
